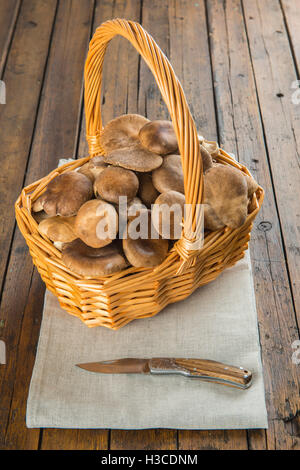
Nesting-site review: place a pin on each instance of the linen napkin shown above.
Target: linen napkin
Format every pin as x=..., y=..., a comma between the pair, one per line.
x=218, y=321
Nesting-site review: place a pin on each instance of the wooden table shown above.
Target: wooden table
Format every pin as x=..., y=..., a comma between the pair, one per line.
x=238, y=62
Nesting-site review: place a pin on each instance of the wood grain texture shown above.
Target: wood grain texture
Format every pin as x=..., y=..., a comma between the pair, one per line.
x=213, y=440
x=120, y=71
x=8, y=16
x=23, y=77
x=17, y=436
x=51, y=141
x=275, y=73
x=74, y=439
x=190, y=57
x=290, y=10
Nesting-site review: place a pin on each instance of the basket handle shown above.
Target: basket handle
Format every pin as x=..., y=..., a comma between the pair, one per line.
x=175, y=100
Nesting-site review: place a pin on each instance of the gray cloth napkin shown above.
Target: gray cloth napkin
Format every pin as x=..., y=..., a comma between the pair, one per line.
x=218, y=322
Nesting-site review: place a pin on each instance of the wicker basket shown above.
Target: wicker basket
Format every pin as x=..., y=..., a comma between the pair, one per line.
x=115, y=300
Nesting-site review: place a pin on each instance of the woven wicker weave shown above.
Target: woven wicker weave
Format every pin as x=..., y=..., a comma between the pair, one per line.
x=115, y=300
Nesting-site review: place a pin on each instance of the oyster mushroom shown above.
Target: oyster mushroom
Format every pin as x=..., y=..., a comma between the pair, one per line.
x=96, y=223
x=58, y=229
x=93, y=168
x=134, y=158
x=144, y=252
x=90, y=262
x=114, y=182
x=147, y=192
x=167, y=214
x=169, y=177
x=159, y=137
x=122, y=131
x=226, y=192
x=120, y=141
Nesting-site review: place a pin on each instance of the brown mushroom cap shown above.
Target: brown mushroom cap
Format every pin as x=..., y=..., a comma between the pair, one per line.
x=226, y=191
x=144, y=252
x=147, y=192
x=114, y=182
x=65, y=194
x=93, y=216
x=93, y=168
x=134, y=158
x=90, y=262
x=58, y=229
x=159, y=137
x=211, y=220
x=169, y=177
x=167, y=214
x=122, y=131
x=120, y=141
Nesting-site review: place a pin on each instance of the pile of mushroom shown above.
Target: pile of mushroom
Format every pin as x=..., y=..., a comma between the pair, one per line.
x=141, y=163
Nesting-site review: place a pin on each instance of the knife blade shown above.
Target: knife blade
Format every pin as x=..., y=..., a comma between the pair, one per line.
x=203, y=369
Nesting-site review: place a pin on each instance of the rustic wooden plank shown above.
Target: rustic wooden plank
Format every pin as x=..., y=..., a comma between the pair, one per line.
x=257, y=439
x=12, y=309
x=60, y=106
x=146, y=439
x=238, y=114
x=290, y=9
x=16, y=435
x=156, y=22
x=23, y=77
x=275, y=73
x=190, y=58
x=8, y=16
x=55, y=133
x=275, y=82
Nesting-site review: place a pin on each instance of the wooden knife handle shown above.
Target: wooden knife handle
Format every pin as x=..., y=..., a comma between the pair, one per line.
x=203, y=369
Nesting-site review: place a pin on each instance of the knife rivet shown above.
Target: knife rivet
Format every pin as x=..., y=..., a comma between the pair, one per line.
x=241, y=368
x=225, y=368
